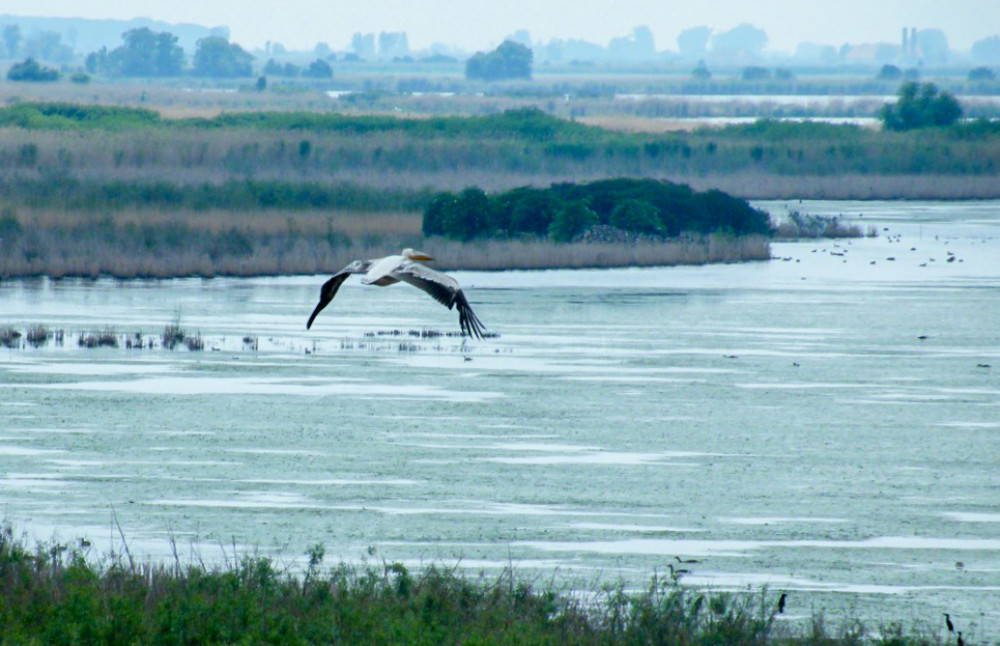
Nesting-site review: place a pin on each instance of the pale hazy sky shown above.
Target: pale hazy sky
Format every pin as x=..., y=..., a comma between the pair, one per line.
x=481, y=24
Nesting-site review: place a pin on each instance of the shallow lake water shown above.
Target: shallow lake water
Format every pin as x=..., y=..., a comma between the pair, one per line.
x=826, y=423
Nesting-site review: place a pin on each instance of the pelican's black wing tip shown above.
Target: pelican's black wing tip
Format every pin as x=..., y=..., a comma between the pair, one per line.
x=324, y=300
x=327, y=292
x=467, y=319
x=312, y=317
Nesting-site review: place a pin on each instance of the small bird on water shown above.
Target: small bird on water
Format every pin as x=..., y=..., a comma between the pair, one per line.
x=676, y=573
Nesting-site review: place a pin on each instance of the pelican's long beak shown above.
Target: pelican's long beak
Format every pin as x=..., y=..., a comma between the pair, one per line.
x=420, y=255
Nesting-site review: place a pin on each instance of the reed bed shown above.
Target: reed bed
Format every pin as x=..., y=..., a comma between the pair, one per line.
x=537, y=254
x=56, y=595
x=192, y=157
x=448, y=153
x=164, y=244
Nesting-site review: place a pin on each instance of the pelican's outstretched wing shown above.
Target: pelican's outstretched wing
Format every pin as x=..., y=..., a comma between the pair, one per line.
x=445, y=290
x=330, y=287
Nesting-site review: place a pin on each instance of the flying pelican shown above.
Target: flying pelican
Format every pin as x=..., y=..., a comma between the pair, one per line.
x=403, y=267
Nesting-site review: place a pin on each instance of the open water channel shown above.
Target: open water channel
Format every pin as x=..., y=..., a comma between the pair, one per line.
x=826, y=423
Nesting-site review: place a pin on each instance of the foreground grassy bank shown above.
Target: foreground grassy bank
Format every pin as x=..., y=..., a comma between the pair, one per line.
x=54, y=595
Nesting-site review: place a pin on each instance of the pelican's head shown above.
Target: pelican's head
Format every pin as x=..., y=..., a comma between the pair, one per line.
x=356, y=267
x=411, y=254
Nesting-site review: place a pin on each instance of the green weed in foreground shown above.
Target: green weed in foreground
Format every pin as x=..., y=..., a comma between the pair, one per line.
x=53, y=595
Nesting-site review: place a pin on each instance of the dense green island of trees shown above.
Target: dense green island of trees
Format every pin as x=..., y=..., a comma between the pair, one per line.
x=920, y=105
x=567, y=211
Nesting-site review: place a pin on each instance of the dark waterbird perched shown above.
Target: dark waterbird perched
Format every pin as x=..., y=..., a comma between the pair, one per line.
x=781, y=602
x=403, y=267
x=676, y=573
x=948, y=624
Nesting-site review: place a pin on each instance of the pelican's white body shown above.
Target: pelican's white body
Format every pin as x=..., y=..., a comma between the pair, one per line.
x=380, y=272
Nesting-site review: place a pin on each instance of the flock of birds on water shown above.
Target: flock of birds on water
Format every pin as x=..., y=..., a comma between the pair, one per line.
x=841, y=251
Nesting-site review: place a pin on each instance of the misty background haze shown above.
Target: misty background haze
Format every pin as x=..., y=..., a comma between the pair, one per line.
x=722, y=32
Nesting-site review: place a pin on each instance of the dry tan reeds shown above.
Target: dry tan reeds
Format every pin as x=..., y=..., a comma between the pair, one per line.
x=58, y=244
x=819, y=164
x=539, y=254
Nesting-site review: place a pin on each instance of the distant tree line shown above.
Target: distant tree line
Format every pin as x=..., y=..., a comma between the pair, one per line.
x=146, y=53
x=218, y=57
x=508, y=61
x=318, y=69
x=40, y=45
x=567, y=211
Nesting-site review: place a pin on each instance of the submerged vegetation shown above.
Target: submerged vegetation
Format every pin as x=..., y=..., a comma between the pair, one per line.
x=56, y=595
x=38, y=336
x=803, y=225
